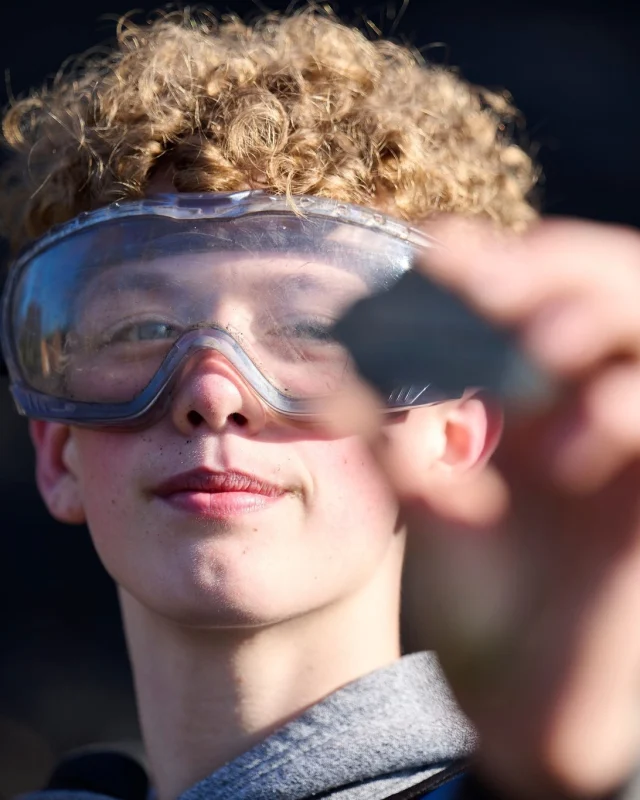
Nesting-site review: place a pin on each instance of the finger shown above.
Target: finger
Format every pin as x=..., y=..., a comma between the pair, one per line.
x=569, y=337
x=507, y=277
x=356, y=411
x=588, y=447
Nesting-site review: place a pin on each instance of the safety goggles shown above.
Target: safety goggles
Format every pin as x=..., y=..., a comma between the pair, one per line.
x=102, y=314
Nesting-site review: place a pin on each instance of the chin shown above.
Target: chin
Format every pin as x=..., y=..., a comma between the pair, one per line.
x=251, y=576
x=218, y=611
x=224, y=598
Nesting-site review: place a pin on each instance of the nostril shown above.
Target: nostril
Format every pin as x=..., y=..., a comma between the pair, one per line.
x=194, y=418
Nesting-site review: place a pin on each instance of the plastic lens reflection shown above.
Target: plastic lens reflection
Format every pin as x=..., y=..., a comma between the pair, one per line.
x=128, y=319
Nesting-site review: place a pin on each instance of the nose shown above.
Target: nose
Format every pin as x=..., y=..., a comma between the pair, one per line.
x=211, y=394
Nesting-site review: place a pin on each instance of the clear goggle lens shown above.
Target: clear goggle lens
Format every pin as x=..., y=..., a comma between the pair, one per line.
x=100, y=320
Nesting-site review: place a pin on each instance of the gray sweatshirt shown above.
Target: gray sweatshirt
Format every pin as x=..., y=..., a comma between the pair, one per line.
x=383, y=733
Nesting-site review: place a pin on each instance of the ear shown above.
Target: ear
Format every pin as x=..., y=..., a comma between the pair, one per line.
x=472, y=429
x=441, y=441
x=56, y=471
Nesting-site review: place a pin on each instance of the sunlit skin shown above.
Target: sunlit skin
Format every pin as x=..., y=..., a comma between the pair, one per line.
x=242, y=611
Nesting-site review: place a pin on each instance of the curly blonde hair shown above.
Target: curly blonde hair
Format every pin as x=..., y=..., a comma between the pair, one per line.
x=295, y=104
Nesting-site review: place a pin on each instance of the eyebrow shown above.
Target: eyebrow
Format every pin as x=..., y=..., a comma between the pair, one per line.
x=147, y=281
x=303, y=281
x=179, y=284
x=99, y=291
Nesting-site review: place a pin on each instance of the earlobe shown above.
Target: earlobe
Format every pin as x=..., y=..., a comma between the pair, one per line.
x=472, y=430
x=56, y=476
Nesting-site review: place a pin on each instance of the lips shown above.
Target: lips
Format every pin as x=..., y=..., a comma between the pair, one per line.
x=218, y=494
x=216, y=483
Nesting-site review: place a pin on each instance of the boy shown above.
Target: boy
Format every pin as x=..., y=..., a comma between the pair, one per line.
x=259, y=560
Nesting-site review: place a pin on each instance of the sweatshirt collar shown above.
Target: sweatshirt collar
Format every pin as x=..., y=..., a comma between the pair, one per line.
x=395, y=725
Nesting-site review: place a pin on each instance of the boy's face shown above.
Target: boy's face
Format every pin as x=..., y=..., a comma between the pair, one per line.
x=221, y=515
x=316, y=525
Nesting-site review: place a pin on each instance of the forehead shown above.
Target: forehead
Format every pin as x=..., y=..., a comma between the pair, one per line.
x=231, y=271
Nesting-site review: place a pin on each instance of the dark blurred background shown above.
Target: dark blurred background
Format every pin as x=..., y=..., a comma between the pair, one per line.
x=572, y=67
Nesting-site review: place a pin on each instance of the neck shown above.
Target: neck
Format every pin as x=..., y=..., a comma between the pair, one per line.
x=207, y=696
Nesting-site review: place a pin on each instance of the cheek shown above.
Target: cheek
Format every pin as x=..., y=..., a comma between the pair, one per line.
x=107, y=465
x=105, y=462
x=351, y=495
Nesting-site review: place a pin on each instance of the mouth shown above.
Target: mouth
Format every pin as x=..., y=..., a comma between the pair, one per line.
x=218, y=495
